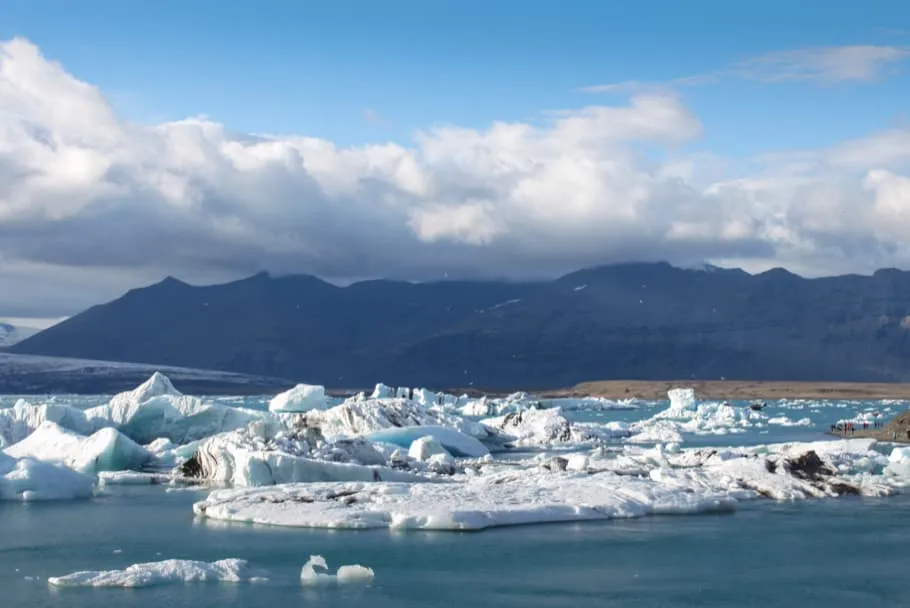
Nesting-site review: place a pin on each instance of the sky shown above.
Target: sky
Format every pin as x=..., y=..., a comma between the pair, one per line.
x=463, y=139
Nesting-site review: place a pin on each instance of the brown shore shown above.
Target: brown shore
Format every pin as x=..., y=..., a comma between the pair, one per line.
x=735, y=389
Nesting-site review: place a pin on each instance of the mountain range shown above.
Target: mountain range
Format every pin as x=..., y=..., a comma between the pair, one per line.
x=648, y=321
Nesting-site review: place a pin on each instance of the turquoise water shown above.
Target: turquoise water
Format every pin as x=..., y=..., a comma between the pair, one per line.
x=846, y=552
x=850, y=552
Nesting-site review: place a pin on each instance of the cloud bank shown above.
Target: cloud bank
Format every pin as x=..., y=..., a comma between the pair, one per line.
x=91, y=204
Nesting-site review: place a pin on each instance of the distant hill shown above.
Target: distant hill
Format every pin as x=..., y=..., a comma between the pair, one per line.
x=630, y=321
x=11, y=334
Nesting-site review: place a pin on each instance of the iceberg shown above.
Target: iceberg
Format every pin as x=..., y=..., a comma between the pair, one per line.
x=19, y=421
x=478, y=503
x=105, y=450
x=109, y=450
x=253, y=457
x=27, y=479
x=355, y=418
x=155, y=409
x=171, y=571
x=354, y=573
x=49, y=442
x=543, y=427
x=301, y=398
x=455, y=443
x=635, y=483
x=426, y=447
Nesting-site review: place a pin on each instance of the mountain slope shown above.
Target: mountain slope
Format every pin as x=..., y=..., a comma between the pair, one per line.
x=631, y=321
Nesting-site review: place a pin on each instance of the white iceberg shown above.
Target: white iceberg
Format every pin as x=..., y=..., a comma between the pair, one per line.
x=426, y=447
x=354, y=573
x=455, y=443
x=477, y=503
x=635, y=483
x=105, y=450
x=109, y=450
x=301, y=398
x=27, y=479
x=355, y=418
x=156, y=409
x=253, y=457
x=21, y=420
x=542, y=427
x=171, y=571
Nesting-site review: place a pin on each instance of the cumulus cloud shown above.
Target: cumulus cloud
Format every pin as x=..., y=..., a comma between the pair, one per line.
x=91, y=204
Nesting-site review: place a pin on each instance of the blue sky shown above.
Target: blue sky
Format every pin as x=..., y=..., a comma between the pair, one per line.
x=314, y=67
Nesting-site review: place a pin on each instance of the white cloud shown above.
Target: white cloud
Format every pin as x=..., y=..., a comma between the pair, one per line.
x=91, y=205
x=857, y=63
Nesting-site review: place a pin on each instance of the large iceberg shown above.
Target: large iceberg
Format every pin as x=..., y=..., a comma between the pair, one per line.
x=255, y=457
x=156, y=409
x=355, y=418
x=19, y=421
x=28, y=479
x=637, y=483
x=105, y=450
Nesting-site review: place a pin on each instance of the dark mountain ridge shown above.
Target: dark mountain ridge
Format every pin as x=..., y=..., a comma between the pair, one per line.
x=629, y=321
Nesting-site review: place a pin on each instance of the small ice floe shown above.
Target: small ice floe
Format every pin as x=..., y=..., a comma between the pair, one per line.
x=353, y=573
x=171, y=571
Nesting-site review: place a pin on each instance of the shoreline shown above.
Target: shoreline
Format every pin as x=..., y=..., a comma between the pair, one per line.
x=736, y=390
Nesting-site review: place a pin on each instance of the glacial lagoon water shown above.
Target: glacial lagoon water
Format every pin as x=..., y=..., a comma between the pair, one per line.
x=834, y=552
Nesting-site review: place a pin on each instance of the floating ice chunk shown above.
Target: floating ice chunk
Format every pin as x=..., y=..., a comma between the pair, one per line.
x=455, y=443
x=19, y=421
x=171, y=571
x=31, y=480
x=109, y=450
x=248, y=458
x=541, y=427
x=301, y=398
x=131, y=478
x=382, y=392
x=636, y=483
x=49, y=442
x=157, y=385
x=154, y=412
x=359, y=418
x=425, y=447
x=480, y=502
x=785, y=421
x=106, y=450
x=577, y=462
x=681, y=400
x=354, y=573
x=660, y=431
x=592, y=404
x=899, y=454
x=425, y=397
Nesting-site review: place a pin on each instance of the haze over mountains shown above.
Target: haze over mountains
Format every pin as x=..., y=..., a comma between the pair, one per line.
x=11, y=334
x=630, y=321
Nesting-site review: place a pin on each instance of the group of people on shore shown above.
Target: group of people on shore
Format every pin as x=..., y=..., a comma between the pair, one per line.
x=849, y=427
